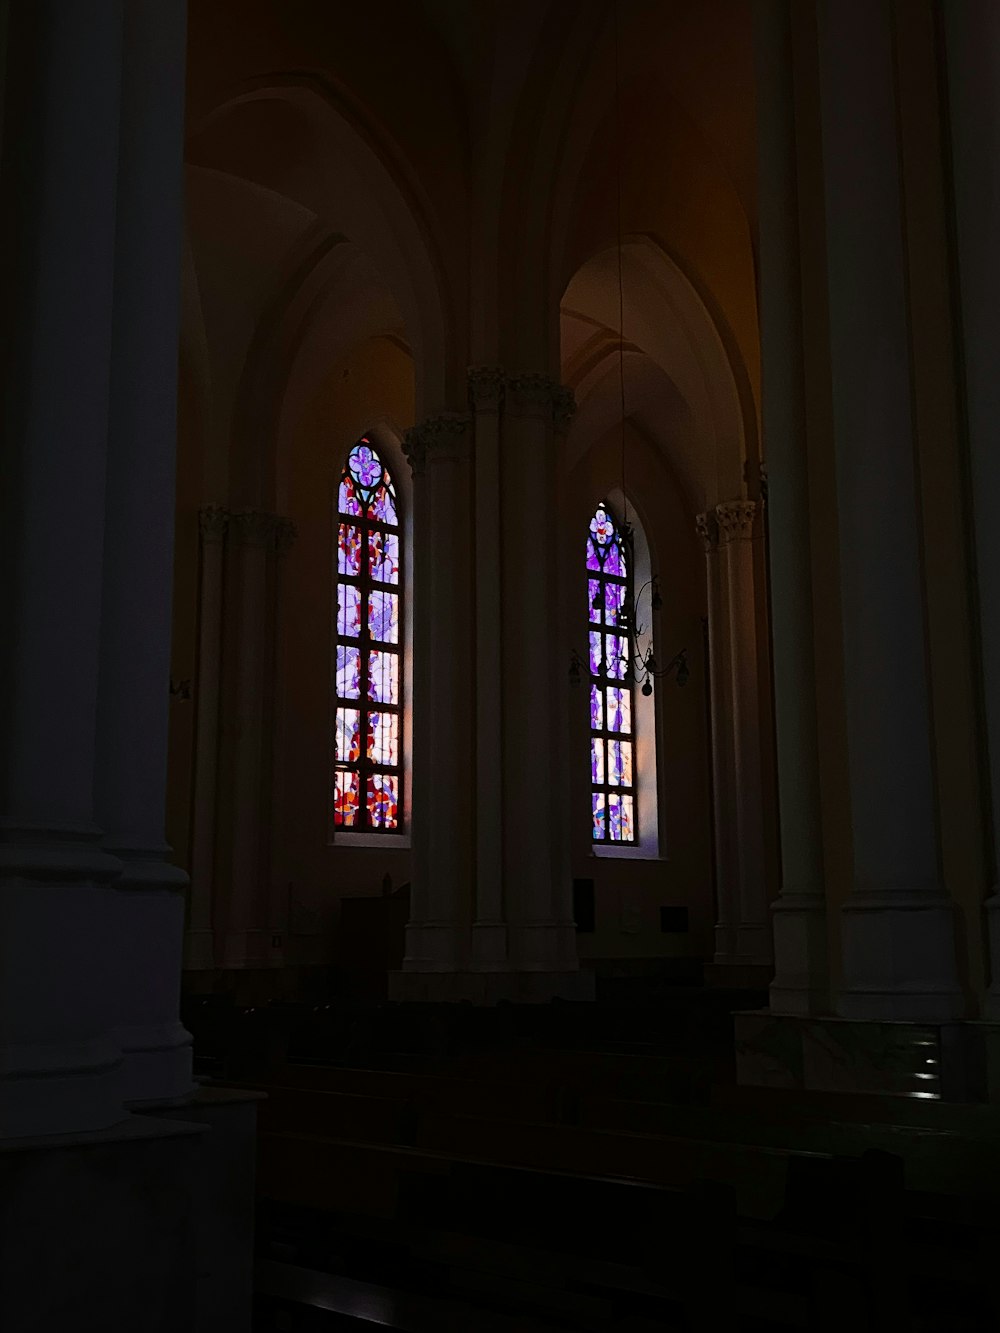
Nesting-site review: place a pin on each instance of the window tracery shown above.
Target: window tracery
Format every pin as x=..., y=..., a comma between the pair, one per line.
x=368, y=740
x=612, y=730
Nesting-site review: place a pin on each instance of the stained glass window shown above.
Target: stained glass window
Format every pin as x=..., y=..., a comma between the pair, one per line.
x=612, y=735
x=367, y=741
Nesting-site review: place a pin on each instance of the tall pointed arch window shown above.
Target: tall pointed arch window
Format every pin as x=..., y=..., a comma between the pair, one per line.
x=368, y=741
x=612, y=733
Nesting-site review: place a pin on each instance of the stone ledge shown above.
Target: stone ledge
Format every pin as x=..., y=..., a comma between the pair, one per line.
x=488, y=988
x=955, y=1062
x=135, y=1129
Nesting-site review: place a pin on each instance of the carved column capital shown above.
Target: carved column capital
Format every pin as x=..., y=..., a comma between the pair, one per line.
x=213, y=521
x=253, y=527
x=486, y=388
x=436, y=439
x=531, y=394
x=708, y=530
x=563, y=408
x=285, y=533
x=735, y=518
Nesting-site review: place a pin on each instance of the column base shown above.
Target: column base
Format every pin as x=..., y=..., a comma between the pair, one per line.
x=899, y=959
x=927, y=1061
x=489, y=946
x=488, y=988
x=801, y=982
x=60, y=1088
x=431, y=946
x=199, y=951
x=725, y=944
x=156, y=1065
x=754, y=944
x=60, y=1066
x=543, y=946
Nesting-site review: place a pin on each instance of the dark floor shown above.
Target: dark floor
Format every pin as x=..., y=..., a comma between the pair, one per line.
x=593, y=1166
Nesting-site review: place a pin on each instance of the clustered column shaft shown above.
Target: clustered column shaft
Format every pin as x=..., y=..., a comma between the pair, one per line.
x=742, y=932
x=232, y=914
x=898, y=925
x=801, y=980
x=87, y=524
x=439, y=453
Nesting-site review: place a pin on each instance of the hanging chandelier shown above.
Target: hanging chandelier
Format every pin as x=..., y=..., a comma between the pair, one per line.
x=638, y=661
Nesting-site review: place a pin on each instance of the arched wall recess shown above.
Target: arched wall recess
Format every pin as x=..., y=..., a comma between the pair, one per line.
x=656, y=408
x=334, y=300
x=348, y=178
x=666, y=319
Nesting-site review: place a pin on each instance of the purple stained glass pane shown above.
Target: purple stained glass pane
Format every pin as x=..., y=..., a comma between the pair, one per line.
x=614, y=599
x=596, y=759
x=348, y=671
x=613, y=561
x=364, y=465
x=347, y=739
x=619, y=709
x=383, y=677
x=595, y=653
x=383, y=801
x=628, y=824
x=345, y=797
x=619, y=763
x=596, y=708
x=383, y=616
x=382, y=506
x=349, y=549
x=594, y=595
x=383, y=556
x=620, y=826
x=348, y=610
x=597, y=811
x=614, y=817
x=383, y=738
x=593, y=560
x=615, y=656
x=348, y=502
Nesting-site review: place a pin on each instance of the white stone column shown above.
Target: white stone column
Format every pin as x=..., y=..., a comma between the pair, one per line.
x=199, y=945
x=136, y=604
x=972, y=32
x=723, y=758
x=420, y=951
x=801, y=980
x=437, y=936
x=244, y=943
x=489, y=930
x=898, y=925
x=535, y=786
x=735, y=519
x=277, y=891
x=59, y=1059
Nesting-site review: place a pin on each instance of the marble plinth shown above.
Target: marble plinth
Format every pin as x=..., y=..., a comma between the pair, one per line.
x=223, y=1221
x=97, y=1229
